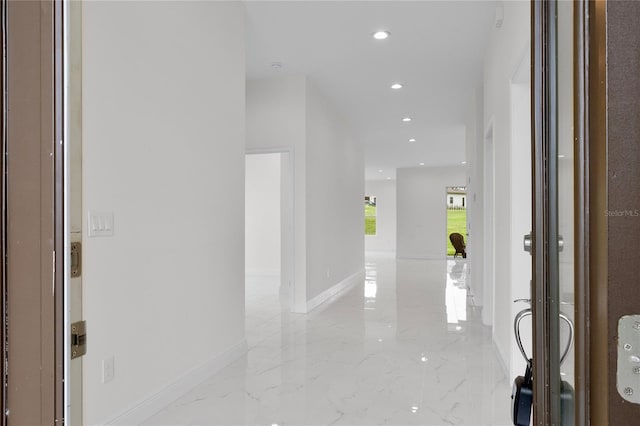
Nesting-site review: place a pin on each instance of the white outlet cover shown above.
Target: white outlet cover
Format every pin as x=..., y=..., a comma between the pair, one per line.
x=108, y=369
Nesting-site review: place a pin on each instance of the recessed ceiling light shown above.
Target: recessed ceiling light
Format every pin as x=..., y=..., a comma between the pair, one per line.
x=276, y=65
x=381, y=35
x=464, y=162
x=422, y=164
x=406, y=119
x=388, y=178
x=396, y=86
x=380, y=171
x=412, y=140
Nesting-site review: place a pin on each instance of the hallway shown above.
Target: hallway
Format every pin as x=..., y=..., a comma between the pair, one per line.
x=406, y=347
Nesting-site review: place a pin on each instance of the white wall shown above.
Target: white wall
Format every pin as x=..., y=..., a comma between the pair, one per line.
x=508, y=47
x=289, y=113
x=276, y=114
x=385, y=238
x=262, y=214
x=335, y=193
x=422, y=213
x=163, y=134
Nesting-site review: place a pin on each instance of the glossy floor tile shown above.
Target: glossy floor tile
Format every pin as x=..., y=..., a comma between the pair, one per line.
x=406, y=347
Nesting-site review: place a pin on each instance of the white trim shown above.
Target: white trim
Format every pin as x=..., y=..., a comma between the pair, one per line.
x=336, y=291
x=66, y=283
x=489, y=225
x=269, y=150
x=262, y=273
x=418, y=257
x=144, y=409
x=380, y=251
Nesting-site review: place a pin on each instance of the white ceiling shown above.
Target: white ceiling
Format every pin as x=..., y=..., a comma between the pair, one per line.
x=435, y=50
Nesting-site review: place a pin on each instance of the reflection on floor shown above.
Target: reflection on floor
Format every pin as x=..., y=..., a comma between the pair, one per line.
x=405, y=348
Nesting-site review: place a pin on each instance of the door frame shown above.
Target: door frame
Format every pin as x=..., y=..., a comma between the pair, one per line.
x=544, y=303
x=297, y=304
x=545, y=298
x=583, y=220
x=489, y=219
x=73, y=208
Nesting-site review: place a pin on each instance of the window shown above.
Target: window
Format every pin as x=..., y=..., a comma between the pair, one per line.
x=451, y=200
x=370, y=215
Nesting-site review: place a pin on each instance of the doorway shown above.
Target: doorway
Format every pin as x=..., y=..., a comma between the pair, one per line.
x=264, y=292
x=456, y=221
x=269, y=257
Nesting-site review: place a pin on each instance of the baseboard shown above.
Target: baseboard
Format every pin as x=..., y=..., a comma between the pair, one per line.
x=262, y=272
x=335, y=290
x=379, y=252
x=421, y=257
x=503, y=363
x=147, y=407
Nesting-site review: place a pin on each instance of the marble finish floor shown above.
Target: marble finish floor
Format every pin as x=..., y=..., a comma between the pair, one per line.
x=406, y=347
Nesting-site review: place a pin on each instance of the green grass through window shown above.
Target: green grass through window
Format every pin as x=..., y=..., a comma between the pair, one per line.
x=369, y=219
x=456, y=222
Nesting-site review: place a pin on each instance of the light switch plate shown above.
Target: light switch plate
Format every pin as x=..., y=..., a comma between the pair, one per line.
x=100, y=224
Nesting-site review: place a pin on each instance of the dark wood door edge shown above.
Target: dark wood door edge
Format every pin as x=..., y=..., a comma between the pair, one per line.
x=596, y=144
x=541, y=400
x=581, y=203
x=3, y=218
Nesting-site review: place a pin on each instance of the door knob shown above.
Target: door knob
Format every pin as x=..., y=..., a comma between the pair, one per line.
x=528, y=243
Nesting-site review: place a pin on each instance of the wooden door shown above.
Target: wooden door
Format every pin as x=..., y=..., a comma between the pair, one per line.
x=606, y=226
x=614, y=144
x=32, y=226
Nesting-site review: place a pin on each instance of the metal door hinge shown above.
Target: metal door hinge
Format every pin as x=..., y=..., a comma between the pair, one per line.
x=76, y=259
x=78, y=339
x=628, y=372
